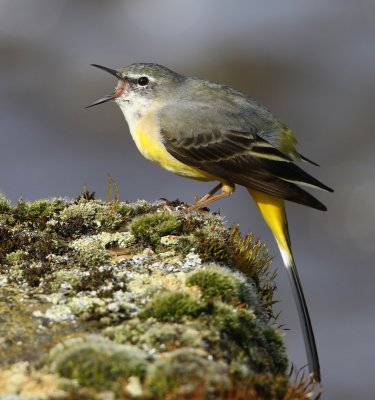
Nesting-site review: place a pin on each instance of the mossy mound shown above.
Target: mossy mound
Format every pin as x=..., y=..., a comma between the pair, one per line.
x=148, y=301
x=95, y=362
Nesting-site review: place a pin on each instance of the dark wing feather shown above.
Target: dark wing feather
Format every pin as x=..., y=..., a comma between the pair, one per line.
x=237, y=155
x=244, y=170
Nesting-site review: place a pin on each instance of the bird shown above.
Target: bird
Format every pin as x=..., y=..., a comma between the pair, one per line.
x=211, y=132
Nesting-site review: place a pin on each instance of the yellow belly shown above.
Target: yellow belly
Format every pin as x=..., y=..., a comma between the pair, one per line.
x=153, y=149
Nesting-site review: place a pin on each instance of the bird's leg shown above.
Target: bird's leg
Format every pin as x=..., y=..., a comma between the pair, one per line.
x=226, y=190
x=208, y=195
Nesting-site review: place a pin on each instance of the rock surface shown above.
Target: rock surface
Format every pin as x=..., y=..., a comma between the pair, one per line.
x=110, y=300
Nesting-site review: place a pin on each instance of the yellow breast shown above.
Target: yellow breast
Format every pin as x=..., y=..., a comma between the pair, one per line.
x=146, y=134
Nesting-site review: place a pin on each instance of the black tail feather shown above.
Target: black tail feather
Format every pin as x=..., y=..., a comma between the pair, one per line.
x=305, y=159
x=303, y=313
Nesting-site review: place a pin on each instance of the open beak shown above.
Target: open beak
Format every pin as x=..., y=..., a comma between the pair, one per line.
x=119, y=89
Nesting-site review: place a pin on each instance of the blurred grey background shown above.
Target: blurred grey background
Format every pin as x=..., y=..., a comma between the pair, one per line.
x=312, y=63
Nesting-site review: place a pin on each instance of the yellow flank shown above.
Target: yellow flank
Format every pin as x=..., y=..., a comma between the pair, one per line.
x=273, y=211
x=146, y=134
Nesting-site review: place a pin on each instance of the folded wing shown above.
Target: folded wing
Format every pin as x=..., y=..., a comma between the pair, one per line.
x=238, y=155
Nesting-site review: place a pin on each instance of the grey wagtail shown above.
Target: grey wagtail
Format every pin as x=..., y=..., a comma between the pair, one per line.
x=211, y=132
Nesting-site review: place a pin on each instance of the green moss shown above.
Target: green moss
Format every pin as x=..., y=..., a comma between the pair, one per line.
x=131, y=331
x=250, y=257
x=185, y=372
x=172, y=306
x=274, y=345
x=151, y=227
x=216, y=243
x=32, y=249
x=5, y=206
x=96, y=362
x=168, y=336
x=218, y=283
x=263, y=352
x=77, y=219
x=152, y=334
x=90, y=254
x=64, y=277
x=212, y=246
x=88, y=217
x=37, y=211
x=185, y=245
x=214, y=284
x=15, y=257
x=132, y=210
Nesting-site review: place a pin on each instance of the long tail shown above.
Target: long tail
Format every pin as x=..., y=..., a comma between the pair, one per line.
x=273, y=211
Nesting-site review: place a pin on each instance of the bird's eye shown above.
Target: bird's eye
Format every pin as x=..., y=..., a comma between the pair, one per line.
x=143, y=81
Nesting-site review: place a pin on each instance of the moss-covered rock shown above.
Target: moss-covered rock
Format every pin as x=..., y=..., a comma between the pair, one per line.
x=184, y=371
x=147, y=301
x=220, y=284
x=96, y=362
x=172, y=306
x=150, y=228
